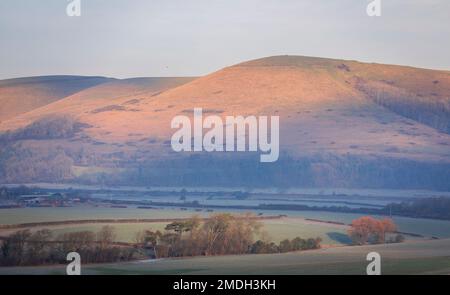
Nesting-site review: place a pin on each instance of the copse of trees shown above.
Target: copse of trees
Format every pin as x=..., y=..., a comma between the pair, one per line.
x=218, y=235
x=221, y=234
x=368, y=230
x=40, y=248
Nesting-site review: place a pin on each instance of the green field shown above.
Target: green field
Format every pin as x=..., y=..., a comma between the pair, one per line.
x=25, y=215
x=426, y=227
x=277, y=230
x=424, y=257
x=411, y=257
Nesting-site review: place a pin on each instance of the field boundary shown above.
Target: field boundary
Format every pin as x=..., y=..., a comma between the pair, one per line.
x=107, y=221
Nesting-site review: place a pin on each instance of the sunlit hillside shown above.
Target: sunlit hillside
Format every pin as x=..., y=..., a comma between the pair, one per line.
x=343, y=123
x=18, y=96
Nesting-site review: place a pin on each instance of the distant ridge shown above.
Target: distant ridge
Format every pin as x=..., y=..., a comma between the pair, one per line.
x=49, y=78
x=21, y=95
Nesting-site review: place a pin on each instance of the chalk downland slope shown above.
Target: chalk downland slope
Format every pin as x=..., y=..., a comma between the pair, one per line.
x=106, y=97
x=343, y=123
x=18, y=96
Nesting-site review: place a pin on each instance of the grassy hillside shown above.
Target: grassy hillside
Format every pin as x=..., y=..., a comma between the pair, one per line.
x=95, y=100
x=18, y=96
x=342, y=123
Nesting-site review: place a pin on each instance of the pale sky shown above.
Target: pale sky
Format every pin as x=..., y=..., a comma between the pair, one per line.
x=131, y=38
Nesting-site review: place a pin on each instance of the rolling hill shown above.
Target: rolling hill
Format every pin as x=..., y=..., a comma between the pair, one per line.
x=342, y=123
x=18, y=96
x=94, y=98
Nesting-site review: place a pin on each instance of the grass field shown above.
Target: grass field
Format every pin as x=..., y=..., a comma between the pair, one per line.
x=278, y=229
x=25, y=215
x=424, y=257
x=425, y=227
x=411, y=257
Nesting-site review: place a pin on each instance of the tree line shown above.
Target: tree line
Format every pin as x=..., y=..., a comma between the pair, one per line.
x=41, y=247
x=369, y=230
x=437, y=208
x=220, y=234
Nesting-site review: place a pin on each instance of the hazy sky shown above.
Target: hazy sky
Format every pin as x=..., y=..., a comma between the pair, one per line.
x=129, y=38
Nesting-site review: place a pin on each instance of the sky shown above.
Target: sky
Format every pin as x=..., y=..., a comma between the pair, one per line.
x=144, y=38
